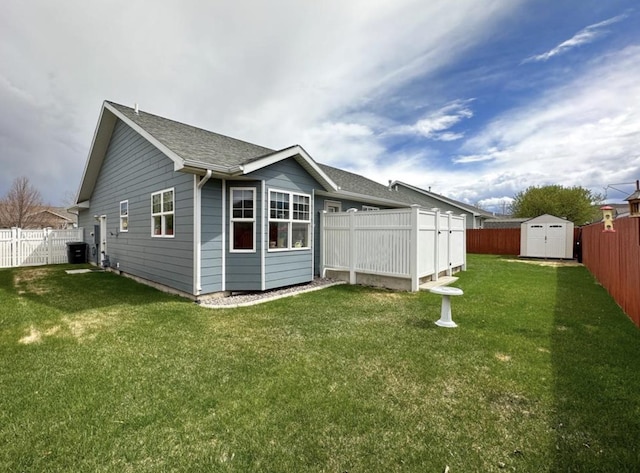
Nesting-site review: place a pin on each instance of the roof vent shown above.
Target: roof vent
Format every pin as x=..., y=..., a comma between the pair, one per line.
x=136, y=108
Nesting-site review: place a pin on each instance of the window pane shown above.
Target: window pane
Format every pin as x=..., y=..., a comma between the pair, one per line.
x=243, y=235
x=168, y=224
x=157, y=225
x=167, y=201
x=156, y=207
x=242, y=203
x=124, y=208
x=279, y=206
x=300, y=235
x=300, y=207
x=278, y=235
x=124, y=223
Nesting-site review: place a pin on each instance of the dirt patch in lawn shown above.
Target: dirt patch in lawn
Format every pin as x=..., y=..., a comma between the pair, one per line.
x=34, y=336
x=546, y=262
x=82, y=328
x=89, y=325
x=31, y=281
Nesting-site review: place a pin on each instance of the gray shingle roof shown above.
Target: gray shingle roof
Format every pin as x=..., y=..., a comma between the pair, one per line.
x=426, y=198
x=195, y=144
x=355, y=183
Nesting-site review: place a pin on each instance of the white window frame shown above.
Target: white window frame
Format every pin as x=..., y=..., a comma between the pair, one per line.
x=163, y=214
x=124, y=217
x=233, y=220
x=289, y=221
x=369, y=208
x=335, y=204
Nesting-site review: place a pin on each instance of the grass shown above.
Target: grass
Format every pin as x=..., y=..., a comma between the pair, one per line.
x=101, y=374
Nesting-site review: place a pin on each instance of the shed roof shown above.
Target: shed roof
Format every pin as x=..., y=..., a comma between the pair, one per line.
x=546, y=218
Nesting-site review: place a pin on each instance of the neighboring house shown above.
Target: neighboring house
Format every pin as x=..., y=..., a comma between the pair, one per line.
x=200, y=213
x=57, y=218
x=475, y=216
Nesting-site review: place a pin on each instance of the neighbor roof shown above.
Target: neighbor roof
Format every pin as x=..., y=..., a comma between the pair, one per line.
x=403, y=187
x=355, y=186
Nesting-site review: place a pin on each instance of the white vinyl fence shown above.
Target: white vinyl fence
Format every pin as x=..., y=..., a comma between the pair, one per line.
x=35, y=247
x=402, y=243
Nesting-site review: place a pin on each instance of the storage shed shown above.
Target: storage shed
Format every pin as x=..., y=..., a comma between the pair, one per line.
x=546, y=236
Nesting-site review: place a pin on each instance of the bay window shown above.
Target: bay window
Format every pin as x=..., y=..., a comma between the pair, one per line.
x=289, y=220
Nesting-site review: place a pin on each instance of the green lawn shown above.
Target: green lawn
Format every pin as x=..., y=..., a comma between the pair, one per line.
x=100, y=374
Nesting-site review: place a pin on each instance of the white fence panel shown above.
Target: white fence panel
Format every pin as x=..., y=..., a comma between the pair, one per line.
x=427, y=256
x=35, y=247
x=6, y=248
x=405, y=243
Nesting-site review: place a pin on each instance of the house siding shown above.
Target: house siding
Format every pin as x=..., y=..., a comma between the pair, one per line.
x=285, y=268
x=211, y=236
x=243, y=270
x=132, y=170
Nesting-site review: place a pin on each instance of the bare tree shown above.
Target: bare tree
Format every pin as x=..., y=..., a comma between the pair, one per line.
x=22, y=206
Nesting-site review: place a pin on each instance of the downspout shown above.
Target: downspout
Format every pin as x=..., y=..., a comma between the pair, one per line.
x=197, y=232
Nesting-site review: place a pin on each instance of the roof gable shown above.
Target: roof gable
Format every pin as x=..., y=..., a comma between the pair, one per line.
x=546, y=218
x=190, y=148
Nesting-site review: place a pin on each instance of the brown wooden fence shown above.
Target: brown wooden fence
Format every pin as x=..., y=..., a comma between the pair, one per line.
x=494, y=241
x=614, y=260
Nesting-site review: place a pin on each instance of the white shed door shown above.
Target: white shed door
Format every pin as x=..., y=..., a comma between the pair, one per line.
x=546, y=240
x=536, y=240
x=556, y=240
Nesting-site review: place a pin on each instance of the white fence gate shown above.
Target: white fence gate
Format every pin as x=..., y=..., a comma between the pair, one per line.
x=35, y=247
x=405, y=243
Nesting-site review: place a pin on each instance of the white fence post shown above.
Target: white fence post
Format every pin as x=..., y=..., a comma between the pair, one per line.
x=449, y=236
x=323, y=247
x=414, y=249
x=436, y=246
x=352, y=247
x=464, y=243
x=47, y=238
x=15, y=246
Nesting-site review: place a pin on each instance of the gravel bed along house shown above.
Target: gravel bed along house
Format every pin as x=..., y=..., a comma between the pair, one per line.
x=251, y=298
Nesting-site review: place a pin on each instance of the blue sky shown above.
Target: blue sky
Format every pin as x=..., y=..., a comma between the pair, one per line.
x=475, y=100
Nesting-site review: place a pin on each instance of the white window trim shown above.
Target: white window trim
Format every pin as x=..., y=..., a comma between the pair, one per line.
x=289, y=221
x=333, y=203
x=232, y=220
x=164, y=214
x=369, y=208
x=122, y=229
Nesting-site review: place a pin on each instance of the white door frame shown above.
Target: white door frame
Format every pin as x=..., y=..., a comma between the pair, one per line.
x=103, y=239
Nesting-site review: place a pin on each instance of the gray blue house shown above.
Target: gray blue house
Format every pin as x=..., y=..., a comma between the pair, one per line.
x=196, y=212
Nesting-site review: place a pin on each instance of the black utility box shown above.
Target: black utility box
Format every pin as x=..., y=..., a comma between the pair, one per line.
x=77, y=252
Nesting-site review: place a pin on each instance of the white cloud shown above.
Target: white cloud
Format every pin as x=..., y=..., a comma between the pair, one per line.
x=274, y=73
x=584, y=133
x=434, y=125
x=584, y=36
